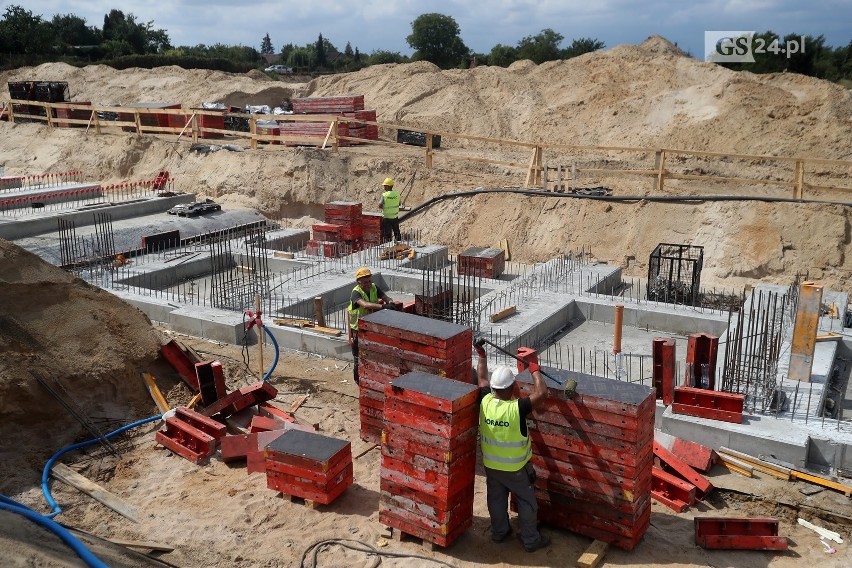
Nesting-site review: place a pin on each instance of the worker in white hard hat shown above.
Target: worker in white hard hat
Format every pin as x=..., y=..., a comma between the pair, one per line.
x=389, y=202
x=366, y=297
x=506, y=449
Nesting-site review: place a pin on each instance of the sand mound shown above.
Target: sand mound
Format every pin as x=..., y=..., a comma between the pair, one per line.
x=649, y=95
x=87, y=344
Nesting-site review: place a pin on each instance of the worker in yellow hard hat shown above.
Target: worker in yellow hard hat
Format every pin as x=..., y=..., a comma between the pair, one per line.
x=389, y=203
x=366, y=297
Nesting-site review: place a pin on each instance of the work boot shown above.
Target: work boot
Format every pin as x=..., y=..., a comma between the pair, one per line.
x=502, y=538
x=543, y=542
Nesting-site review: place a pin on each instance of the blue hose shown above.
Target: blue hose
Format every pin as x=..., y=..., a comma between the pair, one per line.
x=45, y=474
x=64, y=535
x=275, y=362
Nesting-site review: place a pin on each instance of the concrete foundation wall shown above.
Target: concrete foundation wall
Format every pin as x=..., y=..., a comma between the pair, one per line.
x=26, y=227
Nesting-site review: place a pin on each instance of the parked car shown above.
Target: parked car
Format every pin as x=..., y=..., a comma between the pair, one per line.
x=192, y=209
x=177, y=209
x=279, y=69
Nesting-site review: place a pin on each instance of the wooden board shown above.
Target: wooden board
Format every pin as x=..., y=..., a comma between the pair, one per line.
x=67, y=475
x=141, y=544
x=158, y=397
x=593, y=555
x=503, y=314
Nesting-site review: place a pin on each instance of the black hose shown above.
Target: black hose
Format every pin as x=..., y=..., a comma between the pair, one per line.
x=617, y=198
x=360, y=547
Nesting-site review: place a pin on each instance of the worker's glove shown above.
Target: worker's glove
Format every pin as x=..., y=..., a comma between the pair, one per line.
x=479, y=347
x=570, y=388
x=533, y=367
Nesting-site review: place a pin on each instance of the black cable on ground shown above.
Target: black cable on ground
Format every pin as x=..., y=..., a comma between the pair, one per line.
x=359, y=546
x=616, y=198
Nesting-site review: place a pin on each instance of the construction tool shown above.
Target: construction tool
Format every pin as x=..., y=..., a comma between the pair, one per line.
x=569, y=386
x=408, y=186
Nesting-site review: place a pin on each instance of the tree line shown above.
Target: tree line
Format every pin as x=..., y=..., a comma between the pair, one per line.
x=124, y=41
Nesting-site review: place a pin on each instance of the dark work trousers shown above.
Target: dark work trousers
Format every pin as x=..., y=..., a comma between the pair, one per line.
x=391, y=226
x=354, y=344
x=499, y=484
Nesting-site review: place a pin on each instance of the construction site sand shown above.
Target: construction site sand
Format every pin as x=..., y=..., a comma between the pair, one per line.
x=648, y=95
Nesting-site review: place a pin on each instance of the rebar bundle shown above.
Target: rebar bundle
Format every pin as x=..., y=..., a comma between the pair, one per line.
x=238, y=278
x=94, y=252
x=753, y=347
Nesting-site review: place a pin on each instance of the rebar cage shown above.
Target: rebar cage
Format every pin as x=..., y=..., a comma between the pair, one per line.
x=674, y=273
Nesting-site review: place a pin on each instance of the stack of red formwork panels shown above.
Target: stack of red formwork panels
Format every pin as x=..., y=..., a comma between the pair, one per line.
x=392, y=344
x=484, y=262
x=328, y=105
x=314, y=467
x=342, y=232
x=360, y=130
x=594, y=457
x=310, y=129
x=348, y=215
x=326, y=232
x=371, y=222
x=429, y=457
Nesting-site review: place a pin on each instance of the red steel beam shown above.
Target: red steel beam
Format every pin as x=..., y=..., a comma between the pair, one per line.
x=672, y=492
x=733, y=533
x=663, y=358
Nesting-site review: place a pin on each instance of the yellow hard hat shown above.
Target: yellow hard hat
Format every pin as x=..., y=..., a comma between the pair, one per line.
x=388, y=182
x=362, y=272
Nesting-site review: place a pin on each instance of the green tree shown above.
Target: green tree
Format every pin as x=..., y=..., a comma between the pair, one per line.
x=581, y=46
x=379, y=57
x=435, y=37
x=541, y=47
x=266, y=46
x=142, y=38
x=320, y=52
x=71, y=31
x=502, y=55
x=286, y=50
x=22, y=32
x=347, y=51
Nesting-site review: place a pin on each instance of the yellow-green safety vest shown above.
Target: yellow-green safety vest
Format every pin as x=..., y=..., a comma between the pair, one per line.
x=390, y=204
x=356, y=312
x=503, y=446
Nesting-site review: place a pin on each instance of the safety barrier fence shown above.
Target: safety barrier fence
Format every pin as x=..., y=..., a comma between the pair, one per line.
x=551, y=167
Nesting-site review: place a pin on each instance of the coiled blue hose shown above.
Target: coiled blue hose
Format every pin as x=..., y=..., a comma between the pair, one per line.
x=64, y=535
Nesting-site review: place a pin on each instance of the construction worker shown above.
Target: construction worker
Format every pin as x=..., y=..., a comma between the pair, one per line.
x=506, y=450
x=389, y=203
x=366, y=297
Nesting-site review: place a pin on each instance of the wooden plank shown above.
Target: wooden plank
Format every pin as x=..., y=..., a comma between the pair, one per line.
x=158, y=397
x=736, y=465
x=503, y=314
x=593, y=555
x=845, y=489
x=765, y=467
x=67, y=475
x=805, y=328
x=142, y=544
x=297, y=403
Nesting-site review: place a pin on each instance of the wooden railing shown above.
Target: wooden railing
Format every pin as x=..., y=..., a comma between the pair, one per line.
x=573, y=162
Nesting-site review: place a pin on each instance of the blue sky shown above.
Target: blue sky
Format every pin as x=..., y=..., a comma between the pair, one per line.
x=384, y=24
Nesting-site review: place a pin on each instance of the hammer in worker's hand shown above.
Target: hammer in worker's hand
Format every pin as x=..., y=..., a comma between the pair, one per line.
x=569, y=386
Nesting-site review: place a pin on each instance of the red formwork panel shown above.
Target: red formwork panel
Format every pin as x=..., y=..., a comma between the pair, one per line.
x=328, y=105
x=240, y=399
x=672, y=491
x=388, y=518
x=593, y=455
x=733, y=533
x=239, y=446
x=73, y=114
x=203, y=423
x=674, y=464
x=416, y=329
x=186, y=440
x=182, y=363
x=325, y=231
x=325, y=494
x=663, y=370
x=700, y=457
x=701, y=349
x=484, y=262
x=716, y=405
x=343, y=212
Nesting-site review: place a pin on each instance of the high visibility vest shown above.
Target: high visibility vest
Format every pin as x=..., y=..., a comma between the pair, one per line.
x=355, y=311
x=390, y=204
x=503, y=446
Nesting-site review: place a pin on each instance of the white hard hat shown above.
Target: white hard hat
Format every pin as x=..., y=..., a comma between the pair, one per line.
x=502, y=377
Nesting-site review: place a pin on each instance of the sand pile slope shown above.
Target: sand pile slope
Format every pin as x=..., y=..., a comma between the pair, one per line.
x=650, y=95
x=87, y=344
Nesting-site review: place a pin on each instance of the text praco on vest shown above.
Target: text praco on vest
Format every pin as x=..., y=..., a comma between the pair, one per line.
x=501, y=423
